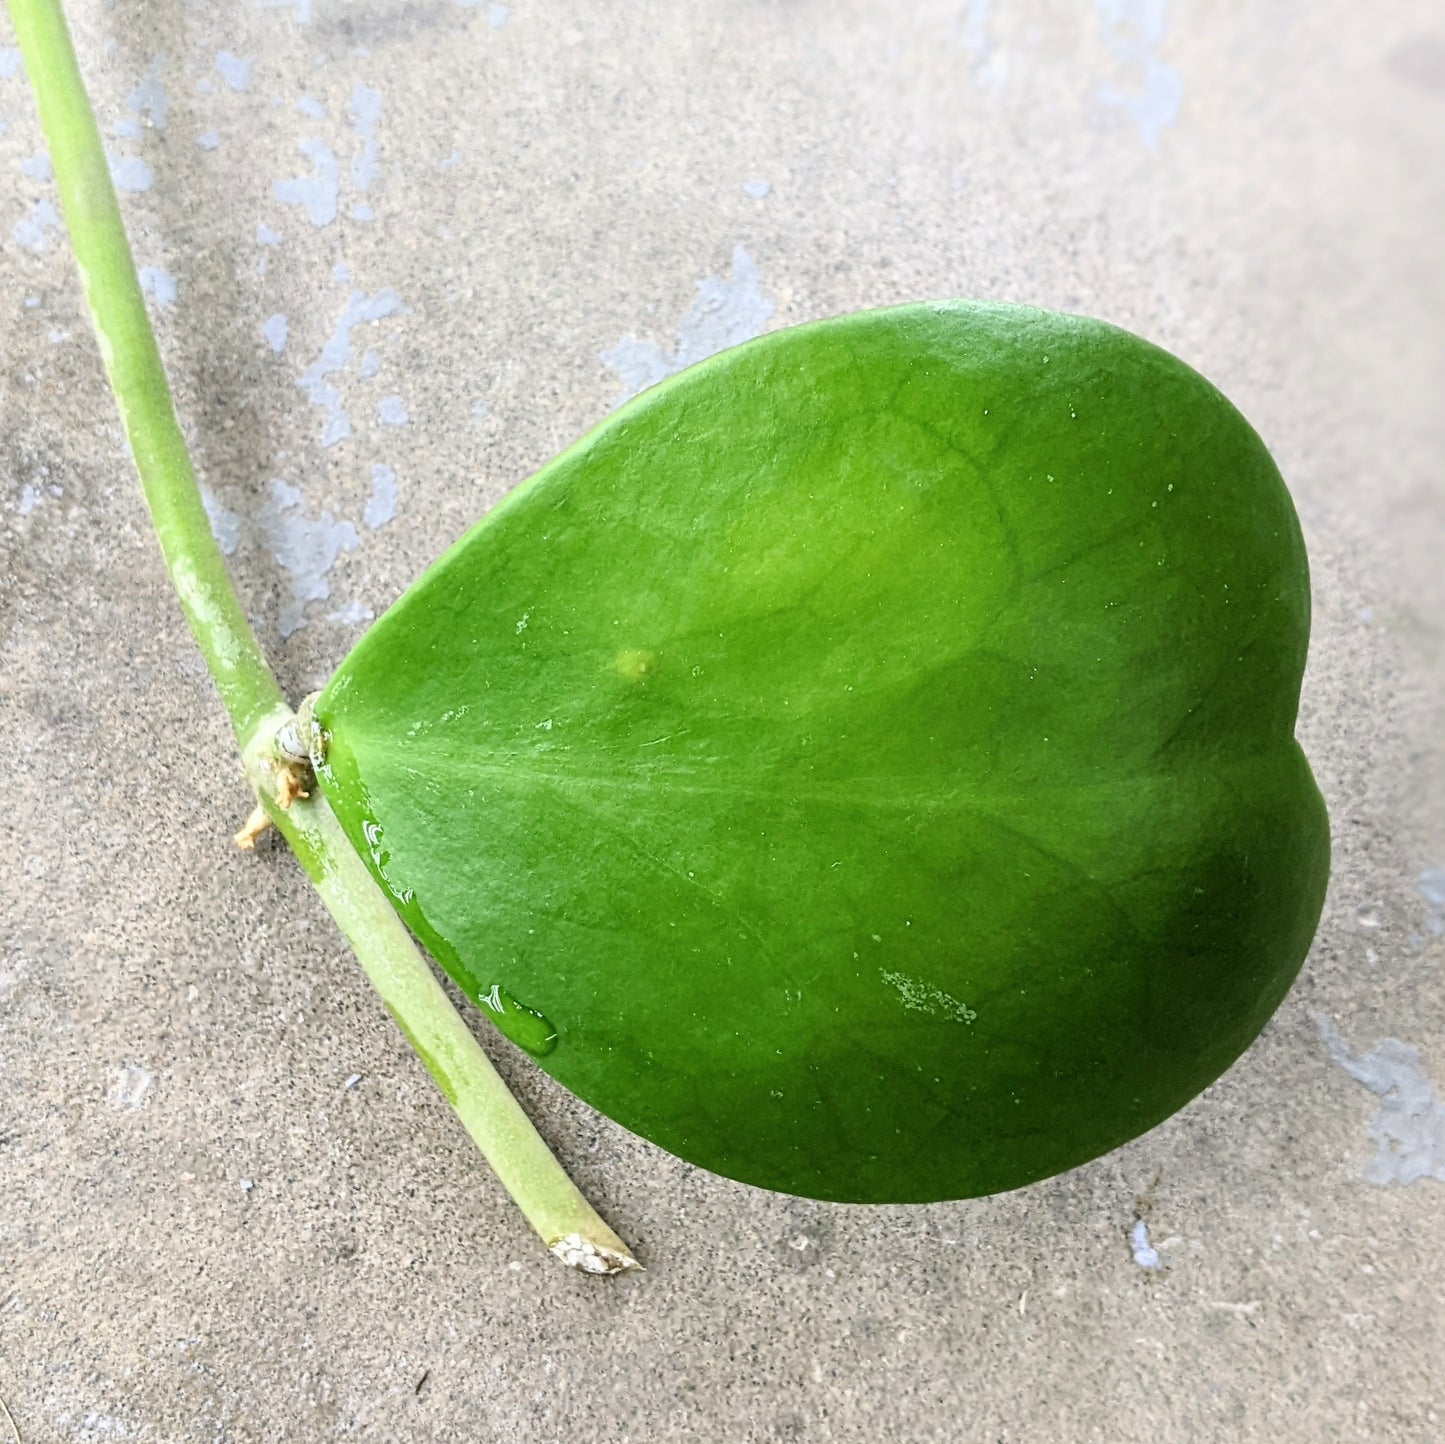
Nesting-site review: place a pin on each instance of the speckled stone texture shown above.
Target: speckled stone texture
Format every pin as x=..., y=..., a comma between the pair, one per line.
x=232, y=1206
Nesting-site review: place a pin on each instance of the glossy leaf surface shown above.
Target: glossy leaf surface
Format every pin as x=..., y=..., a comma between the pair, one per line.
x=864, y=765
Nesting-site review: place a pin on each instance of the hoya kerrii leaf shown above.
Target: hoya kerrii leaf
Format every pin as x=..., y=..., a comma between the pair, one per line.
x=864, y=765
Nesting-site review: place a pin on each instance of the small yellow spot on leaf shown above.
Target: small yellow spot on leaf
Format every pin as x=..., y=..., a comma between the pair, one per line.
x=636, y=664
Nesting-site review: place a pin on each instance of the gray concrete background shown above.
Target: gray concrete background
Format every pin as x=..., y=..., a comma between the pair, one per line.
x=205, y=1234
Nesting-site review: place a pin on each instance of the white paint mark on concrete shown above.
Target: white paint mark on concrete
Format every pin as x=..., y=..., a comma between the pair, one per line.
x=225, y=525
x=130, y=173
x=129, y=1086
x=307, y=549
x=392, y=411
x=352, y=1081
x=158, y=282
x=336, y=353
x=725, y=313
x=318, y=193
x=381, y=505
x=1145, y=1254
x=1134, y=30
x=29, y=498
x=365, y=112
x=1409, y=1125
x=32, y=233
x=235, y=70
x=274, y=329
x=758, y=189
x=38, y=167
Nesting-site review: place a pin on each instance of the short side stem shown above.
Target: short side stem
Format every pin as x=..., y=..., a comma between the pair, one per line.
x=248, y=688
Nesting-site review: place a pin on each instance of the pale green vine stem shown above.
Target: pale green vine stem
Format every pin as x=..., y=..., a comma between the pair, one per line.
x=548, y=1198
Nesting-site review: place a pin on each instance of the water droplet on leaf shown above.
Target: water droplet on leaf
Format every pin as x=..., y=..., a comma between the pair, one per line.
x=525, y=1026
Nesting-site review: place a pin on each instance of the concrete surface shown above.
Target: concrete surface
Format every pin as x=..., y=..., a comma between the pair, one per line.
x=232, y=1208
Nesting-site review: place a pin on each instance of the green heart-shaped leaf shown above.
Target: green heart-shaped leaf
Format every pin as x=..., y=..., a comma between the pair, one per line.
x=865, y=764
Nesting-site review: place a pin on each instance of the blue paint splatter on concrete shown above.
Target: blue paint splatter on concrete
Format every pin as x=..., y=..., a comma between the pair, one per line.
x=758, y=189
x=311, y=108
x=130, y=173
x=1432, y=889
x=274, y=329
x=370, y=361
x=158, y=282
x=353, y=614
x=336, y=353
x=1145, y=1254
x=1134, y=30
x=987, y=61
x=9, y=61
x=318, y=193
x=362, y=212
x=365, y=112
x=265, y=236
x=149, y=99
x=725, y=313
x=235, y=70
x=38, y=167
x=209, y=139
x=381, y=506
x=392, y=411
x=225, y=525
x=1409, y=1126
x=301, y=8
x=306, y=549
x=33, y=232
